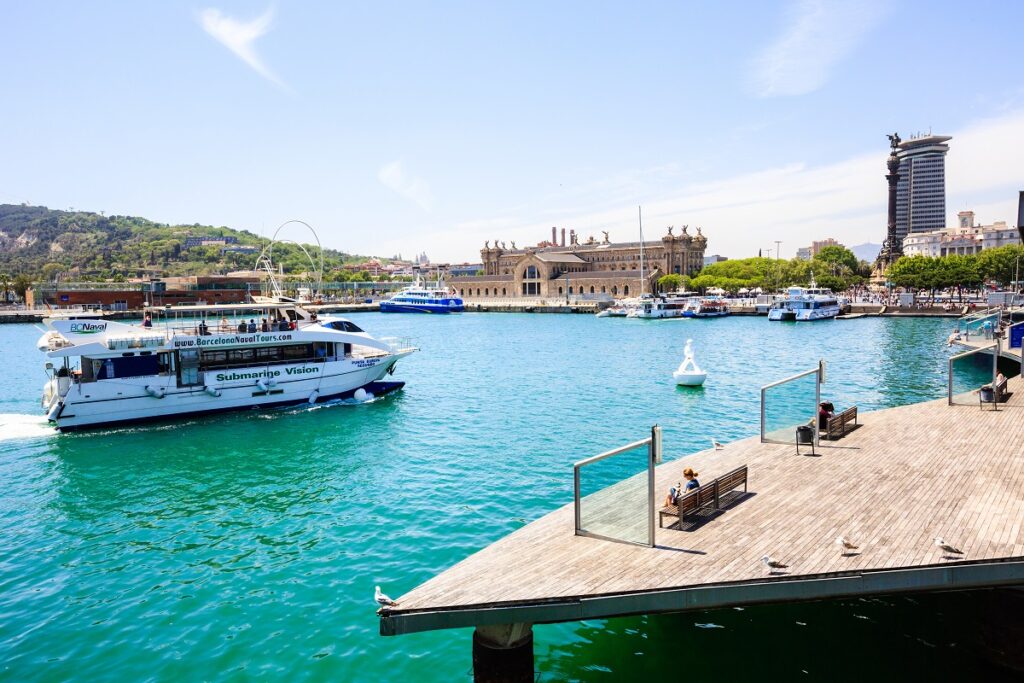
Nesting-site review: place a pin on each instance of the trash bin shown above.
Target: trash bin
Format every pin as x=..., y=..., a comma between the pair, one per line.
x=805, y=435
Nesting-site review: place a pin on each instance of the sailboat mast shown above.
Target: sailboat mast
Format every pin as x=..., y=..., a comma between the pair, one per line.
x=640, y=218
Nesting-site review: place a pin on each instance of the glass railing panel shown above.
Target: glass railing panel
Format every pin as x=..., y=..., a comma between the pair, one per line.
x=788, y=405
x=968, y=373
x=614, y=496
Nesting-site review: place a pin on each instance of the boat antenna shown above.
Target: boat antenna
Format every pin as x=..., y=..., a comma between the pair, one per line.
x=640, y=218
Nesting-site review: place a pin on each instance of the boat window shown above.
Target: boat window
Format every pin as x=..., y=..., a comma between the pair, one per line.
x=343, y=326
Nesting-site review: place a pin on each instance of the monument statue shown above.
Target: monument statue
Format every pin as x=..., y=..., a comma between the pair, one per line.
x=513, y=244
x=684, y=229
x=605, y=233
x=487, y=244
x=699, y=232
x=892, y=246
x=502, y=245
x=894, y=141
x=670, y=228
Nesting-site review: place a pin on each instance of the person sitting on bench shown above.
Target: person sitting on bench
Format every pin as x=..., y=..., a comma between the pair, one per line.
x=825, y=411
x=679, y=489
x=999, y=386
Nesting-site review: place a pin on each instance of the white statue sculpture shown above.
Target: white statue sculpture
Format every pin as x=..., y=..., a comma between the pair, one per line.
x=689, y=373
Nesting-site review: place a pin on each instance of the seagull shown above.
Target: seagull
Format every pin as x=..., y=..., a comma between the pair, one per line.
x=844, y=545
x=773, y=564
x=383, y=600
x=947, y=547
x=717, y=446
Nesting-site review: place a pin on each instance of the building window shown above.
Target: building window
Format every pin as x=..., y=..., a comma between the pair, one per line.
x=486, y=292
x=625, y=290
x=503, y=291
x=615, y=290
x=560, y=290
x=570, y=290
x=478, y=291
x=462, y=293
x=531, y=273
x=604, y=290
x=591, y=289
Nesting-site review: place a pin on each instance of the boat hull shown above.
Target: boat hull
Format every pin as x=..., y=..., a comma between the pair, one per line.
x=158, y=398
x=391, y=307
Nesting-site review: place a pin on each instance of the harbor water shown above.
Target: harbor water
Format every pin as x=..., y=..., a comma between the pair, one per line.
x=249, y=544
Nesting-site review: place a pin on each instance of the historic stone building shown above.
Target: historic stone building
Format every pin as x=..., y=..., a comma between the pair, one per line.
x=592, y=267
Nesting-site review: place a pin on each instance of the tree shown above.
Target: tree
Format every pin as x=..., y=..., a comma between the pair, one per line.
x=672, y=282
x=1000, y=264
x=50, y=270
x=21, y=285
x=912, y=272
x=839, y=255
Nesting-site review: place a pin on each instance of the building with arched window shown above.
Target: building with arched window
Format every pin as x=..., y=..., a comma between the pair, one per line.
x=591, y=268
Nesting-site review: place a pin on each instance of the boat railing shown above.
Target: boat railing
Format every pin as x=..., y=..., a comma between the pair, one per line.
x=399, y=344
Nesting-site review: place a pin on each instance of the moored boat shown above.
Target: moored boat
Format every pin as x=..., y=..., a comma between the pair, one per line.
x=706, y=308
x=805, y=304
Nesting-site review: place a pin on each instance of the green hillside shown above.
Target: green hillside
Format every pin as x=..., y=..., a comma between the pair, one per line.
x=39, y=243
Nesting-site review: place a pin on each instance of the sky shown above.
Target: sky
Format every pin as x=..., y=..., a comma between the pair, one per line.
x=408, y=127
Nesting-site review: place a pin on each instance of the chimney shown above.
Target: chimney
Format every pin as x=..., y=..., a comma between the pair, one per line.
x=563, y=233
x=554, y=236
x=1020, y=216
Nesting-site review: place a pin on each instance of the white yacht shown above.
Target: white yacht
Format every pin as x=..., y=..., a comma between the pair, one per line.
x=805, y=303
x=422, y=298
x=706, y=308
x=187, y=360
x=662, y=306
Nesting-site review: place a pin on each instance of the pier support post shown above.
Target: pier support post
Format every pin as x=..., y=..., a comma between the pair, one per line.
x=503, y=653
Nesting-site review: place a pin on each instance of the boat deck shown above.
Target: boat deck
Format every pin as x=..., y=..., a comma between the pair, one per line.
x=906, y=475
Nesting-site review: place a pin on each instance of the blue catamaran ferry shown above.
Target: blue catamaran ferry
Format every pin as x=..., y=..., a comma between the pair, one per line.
x=420, y=298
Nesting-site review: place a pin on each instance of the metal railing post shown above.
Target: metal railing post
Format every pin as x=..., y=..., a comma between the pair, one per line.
x=949, y=379
x=763, y=390
x=576, y=496
x=653, y=457
x=817, y=402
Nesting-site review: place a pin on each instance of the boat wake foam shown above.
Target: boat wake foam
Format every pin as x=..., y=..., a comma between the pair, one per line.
x=17, y=426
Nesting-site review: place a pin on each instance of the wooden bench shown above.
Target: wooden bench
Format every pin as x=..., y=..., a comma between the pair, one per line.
x=708, y=495
x=839, y=424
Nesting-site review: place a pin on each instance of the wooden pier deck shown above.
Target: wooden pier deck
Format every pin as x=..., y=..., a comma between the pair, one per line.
x=906, y=475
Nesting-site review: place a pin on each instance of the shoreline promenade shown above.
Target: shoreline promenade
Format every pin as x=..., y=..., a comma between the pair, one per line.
x=905, y=476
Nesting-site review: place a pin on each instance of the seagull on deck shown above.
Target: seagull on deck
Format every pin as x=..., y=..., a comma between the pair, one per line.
x=383, y=600
x=717, y=446
x=773, y=564
x=947, y=547
x=845, y=545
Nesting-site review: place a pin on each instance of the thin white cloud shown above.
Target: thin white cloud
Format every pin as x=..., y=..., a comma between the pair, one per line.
x=416, y=190
x=818, y=35
x=240, y=37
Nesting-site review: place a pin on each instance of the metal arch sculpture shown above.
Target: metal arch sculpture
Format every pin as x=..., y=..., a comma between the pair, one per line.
x=266, y=257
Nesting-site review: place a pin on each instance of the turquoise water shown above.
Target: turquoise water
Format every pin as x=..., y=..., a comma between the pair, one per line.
x=249, y=544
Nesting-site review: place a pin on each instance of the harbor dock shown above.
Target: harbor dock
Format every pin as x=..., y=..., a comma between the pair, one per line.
x=905, y=476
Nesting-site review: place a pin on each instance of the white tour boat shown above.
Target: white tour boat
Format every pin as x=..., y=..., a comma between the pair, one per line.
x=805, y=303
x=706, y=308
x=188, y=360
x=421, y=298
x=661, y=306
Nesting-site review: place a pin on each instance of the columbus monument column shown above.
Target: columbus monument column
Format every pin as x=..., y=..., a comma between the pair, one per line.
x=892, y=248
